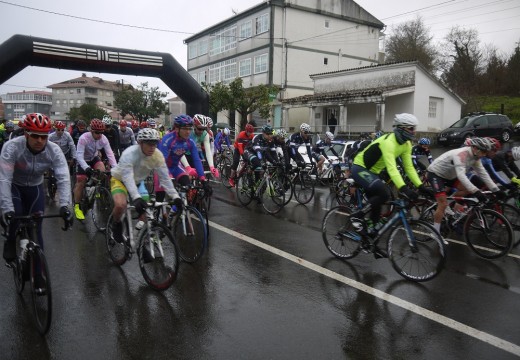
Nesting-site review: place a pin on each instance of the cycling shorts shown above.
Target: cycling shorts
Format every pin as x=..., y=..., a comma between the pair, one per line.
x=117, y=187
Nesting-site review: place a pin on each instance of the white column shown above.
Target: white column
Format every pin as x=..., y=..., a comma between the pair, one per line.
x=312, y=118
x=342, y=118
x=380, y=116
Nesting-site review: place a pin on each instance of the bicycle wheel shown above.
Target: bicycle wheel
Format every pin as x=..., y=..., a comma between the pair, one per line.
x=224, y=168
x=158, y=256
x=338, y=234
x=303, y=188
x=425, y=259
x=102, y=208
x=273, y=196
x=42, y=297
x=18, y=267
x=343, y=193
x=245, y=184
x=512, y=213
x=488, y=233
x=52, y=187
x=118, y=252
x=189, y=231
x=427, y=215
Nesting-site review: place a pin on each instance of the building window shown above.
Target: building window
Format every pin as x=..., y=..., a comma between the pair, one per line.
x=245, y=67
x=325, y=61
x=202, y=77
x=203, y=47
x=71, y=102
x=260, y=63
x=262, y=24
x=327, y=24
x=432, y=109
x=223, y=40
x=246, y=30
x=57, y=103
x=71, y=91
x=214, y=73
x=8, y=106
x=108, y=93
x=78, y=91
x=192, y=50
x=229, y=70
x=19, y=106
x=78, y=102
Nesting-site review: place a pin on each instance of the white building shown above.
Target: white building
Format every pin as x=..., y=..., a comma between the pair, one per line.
x=282, y=42
x=367, y=98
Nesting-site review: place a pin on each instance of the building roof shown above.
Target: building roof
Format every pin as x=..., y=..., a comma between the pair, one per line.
x=39, y=92
x=90, y=82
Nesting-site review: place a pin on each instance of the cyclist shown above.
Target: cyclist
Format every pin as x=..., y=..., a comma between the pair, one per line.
x=88, y=159
x=64, y=140
x=504, y=160
x=319, y=153
x=450, y=170
x=24, y=160
x=79, y=129
x=261, y=148
x=8, y=131
x=135, y=127
x=421, y=149
x=112, y=134
x=297, y=139
x=222, y=136
x=241, y=141
x=126, y=136
x=134, y=166
x=19, y=131
x=381, y=154
x=279, y=139
x=211, y=135
x=202, y=139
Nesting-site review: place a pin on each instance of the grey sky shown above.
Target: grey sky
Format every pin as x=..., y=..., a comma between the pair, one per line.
x=496, y=21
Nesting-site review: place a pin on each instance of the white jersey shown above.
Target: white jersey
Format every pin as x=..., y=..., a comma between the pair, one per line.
x=134, y=167
x=88, y=148
x=65, y=142
x=456, y=163
x=20, y=166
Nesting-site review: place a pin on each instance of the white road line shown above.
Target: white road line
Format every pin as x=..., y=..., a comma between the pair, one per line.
x=441, y=319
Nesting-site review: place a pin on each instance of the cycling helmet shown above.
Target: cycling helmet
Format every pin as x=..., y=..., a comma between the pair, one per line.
x=516, y=153
x=37, y=122
x=481, y=143
x=148, y=134
x=226, y=131
x=123, y=123
x=282, y=133
x=496, y=145
x=250, y=128
x=59, y=125
x=210, y=121
x=81, y=123
x=200, y=120
x=267, y=129
x=9, y=124
x=107, y=120
x=306, y=128
x=151, y=123
x=378, y=134
x=424, y=141
x=135, y=124
x=405, y=120
x=329, y=135
x=143, y=125
x=97, y=125
x=183, y=121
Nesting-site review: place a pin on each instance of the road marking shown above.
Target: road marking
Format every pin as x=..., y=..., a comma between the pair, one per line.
x=441, y=319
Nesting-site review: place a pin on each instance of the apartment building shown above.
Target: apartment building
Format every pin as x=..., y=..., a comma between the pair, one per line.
x=282, y=42
x=83, y=90
x=18, y=104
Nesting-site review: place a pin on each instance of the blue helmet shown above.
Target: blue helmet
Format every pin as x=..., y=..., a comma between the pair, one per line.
x=267, y=129
x=424, y=141
x=183, y=121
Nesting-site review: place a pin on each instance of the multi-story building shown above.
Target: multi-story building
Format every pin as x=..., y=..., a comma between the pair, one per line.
x=176, y=107
x=282, y=42
x=18, y=104
x=83, y=90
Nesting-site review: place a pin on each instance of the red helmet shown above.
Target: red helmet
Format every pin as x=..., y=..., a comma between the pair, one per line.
x=59, y=125
x=96, y=124
x=135, y=124
x=37, y=122
x=497, y=146
x=250, y=128
x=122, y=123
x=144, y=124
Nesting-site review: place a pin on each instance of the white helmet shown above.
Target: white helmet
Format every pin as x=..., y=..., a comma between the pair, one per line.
x=305, y=127
x=226, y=131
x=329, y=135
x=148, y=134
x=405, y=120
x=516, y=153
x=107, y=120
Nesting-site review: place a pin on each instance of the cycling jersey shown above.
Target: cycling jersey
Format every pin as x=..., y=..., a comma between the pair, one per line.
x=488, y=165
x=382, y=153
x=202, y=142
x=320, y=147
x=219, y=141
x=65, y=142
x=23, y=168
x=134, y=166
x=261, y=148
x=88, y=148
x=76, y=134
x=126, y=138
x=418, y=151
x=505, y=163
x=294, y=142
x=456, y=163
x=173, y=147
x=242, y=140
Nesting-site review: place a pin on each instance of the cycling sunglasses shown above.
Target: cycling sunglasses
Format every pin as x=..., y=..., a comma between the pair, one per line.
x=38, y=136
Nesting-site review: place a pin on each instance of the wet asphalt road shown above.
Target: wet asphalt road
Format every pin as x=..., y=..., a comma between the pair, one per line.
x=266, y=289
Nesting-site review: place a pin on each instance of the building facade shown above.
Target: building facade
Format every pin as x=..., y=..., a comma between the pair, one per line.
x=18, y=104
x=282, y=42
x=83, y=90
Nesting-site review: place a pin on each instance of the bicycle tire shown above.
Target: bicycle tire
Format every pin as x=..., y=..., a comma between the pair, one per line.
x=192, y=243
x=224, y=168
x=273, y=196
x=500, y=238
x=118, y=252
x=512, y=213
x=159, y=271
x=102, y=208
x=42, y=302
x=423, y=262
x=303, y=188
x=244, y=189
x=427, y=215
x=18, y=267
x=338, y=234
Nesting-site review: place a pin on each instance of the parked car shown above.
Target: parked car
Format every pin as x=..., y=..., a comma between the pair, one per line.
x=516, y=129
x=477, y=124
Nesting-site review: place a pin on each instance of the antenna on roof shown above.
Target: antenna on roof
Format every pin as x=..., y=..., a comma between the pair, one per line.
x=235, y=12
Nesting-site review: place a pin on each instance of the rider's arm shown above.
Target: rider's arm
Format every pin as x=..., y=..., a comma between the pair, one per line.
x=70, y=143
x=108, y=151
x=207, y=149
x=8, y=160
x=196, y=159
x=429, y=156
x=409, y=169
x=165, y=181
x=483, y=174
x=388, y=150
x=228, y=141
x=80, y=153
x=61, y=173
x=461, y=169
x=488, y=165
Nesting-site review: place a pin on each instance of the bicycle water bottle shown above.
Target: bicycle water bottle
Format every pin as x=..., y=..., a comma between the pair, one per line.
x=139, y=225
x=143, y=192
x=90, y=191
x=23, y=248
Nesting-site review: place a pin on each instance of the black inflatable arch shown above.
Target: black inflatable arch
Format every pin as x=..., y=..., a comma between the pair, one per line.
x=21, y=51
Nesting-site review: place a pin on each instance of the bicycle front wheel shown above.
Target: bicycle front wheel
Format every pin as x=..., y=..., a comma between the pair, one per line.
x=102, y=208
x=245, y=185
x=416, y=251
x=338, y=234
x=488, y=233
x=189, y=231
x=41, y=295
x=118, y=252
x=273, y=196
x=224, y=167
x=158, y=256
x=303, y=188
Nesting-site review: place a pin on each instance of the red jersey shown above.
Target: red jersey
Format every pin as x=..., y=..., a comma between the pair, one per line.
x=242, y=140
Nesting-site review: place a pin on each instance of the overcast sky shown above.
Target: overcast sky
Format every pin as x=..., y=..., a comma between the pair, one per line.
x=497, y=22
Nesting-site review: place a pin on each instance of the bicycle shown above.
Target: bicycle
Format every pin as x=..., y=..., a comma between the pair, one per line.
x=415, y=249
x=52, y=185
x=223, y=164
x=487, y=232
x=97, y=197
x=156, y=248
x=30, y=263
x=302, y=184
x=200, y=197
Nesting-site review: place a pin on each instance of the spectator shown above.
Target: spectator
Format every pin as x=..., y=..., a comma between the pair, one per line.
x=333, y=122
